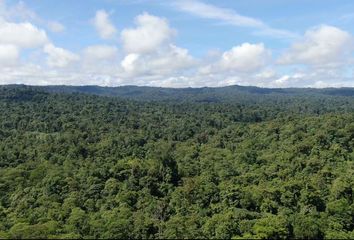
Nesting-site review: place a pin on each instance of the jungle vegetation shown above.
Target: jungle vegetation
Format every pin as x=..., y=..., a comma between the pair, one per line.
x=203, y=163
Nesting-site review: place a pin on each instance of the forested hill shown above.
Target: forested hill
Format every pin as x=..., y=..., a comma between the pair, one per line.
x=206, y=94
x=222, y=163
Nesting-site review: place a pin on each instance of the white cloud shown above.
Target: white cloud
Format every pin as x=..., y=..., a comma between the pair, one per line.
x=323, y=57
x=100, y=61
x=149, y=55
x=151, y=32
x=100, y=52
x=174, y=58
x=229, y=16
x=24, y=35
x=162, y=63
x=59, y=57
x=18, y=11
x=282, y=81
x=174, y=67
x=55, y=26
x=276, y=33
x=338, y=84
x=9, y=55
x=21, y=12
x=321, y=45
x=103, y=25
x=150, y=51
x=267, y=74
x=36, y=74
x=245, y=58
x=129, y=63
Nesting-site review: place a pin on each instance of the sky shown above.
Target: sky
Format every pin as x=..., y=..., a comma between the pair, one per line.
x=177, y=43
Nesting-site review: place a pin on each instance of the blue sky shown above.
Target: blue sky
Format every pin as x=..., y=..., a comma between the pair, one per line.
x=177, y=43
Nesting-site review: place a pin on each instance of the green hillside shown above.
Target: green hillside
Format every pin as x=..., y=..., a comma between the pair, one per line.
x=140, y=162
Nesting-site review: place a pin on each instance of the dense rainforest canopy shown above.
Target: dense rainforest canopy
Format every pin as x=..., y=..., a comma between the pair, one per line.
x=203, y=163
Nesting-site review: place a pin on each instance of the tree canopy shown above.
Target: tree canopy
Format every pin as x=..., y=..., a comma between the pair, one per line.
x=75, y=165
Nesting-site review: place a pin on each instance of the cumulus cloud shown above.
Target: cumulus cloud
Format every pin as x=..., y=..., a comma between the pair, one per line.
x=59, y=57
x=129, y=63
x=103, y=25
x=166, y=61
x=151, y=32
x=37, y=74
x=322, y=57
x=245, y=58
x=150, y=51
x=173, y=66
x=100, y=52
x=282, y=81
x=9, y=54
x=321, y=45
x=149, y=55
x=175, y=58
x=21, y=12
x=267, y=74
x=23, y=35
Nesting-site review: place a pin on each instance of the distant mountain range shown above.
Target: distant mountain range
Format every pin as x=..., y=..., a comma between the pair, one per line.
x=204, y=94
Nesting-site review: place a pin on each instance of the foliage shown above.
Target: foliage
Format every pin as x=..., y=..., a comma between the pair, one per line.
x=86, y=166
